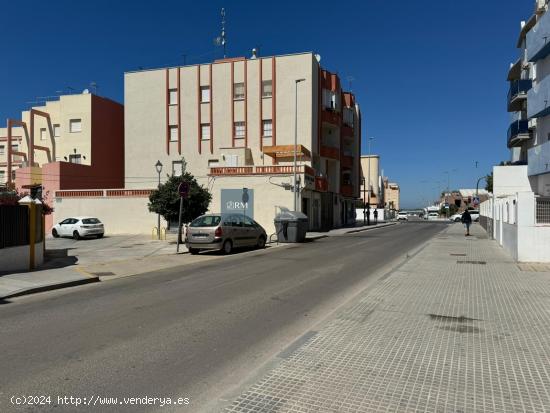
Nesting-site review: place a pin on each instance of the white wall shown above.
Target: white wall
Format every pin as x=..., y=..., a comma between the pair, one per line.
x=508, y=180
x=15, y=259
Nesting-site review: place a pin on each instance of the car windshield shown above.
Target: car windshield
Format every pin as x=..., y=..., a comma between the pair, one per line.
x=91, y=221
x=206, y=221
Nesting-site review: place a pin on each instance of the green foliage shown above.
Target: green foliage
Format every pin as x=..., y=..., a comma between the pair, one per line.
x=489, y=183
x=166, y=200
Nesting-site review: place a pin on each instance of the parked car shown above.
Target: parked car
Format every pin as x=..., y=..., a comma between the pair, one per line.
x=433, y=215
x=79, y=227
x=458, y=217
x=402, y=216
x=224, y=232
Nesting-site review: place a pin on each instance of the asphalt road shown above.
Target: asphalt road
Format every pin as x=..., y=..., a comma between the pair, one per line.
x=199, y=332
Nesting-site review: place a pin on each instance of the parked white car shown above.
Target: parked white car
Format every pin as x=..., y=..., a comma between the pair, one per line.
x=403, y=216
x=474, y=213
x=433, y=215
x=79, y=227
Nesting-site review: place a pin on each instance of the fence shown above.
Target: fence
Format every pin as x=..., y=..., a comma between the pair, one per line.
x=543, y=210
x=14, y=226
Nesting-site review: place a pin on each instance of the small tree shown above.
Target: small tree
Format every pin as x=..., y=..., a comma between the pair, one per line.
x=166, y=200
x=489, y=182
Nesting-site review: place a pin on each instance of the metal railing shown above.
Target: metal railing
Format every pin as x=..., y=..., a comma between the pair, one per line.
x=519, y=87
x=542, y=215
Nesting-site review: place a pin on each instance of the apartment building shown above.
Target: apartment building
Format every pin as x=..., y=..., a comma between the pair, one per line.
x=391, y=195
x=375, y=187
x=73, y=142
x=233, y=124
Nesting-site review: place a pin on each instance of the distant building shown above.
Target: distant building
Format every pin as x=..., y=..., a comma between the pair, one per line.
x=391, y=195
x=376, y=197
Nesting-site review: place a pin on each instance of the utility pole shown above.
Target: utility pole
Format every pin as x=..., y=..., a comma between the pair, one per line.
x=369, y=140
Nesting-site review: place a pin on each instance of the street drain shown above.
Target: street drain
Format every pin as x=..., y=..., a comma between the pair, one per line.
x=457, y=255
x=460, y=319
x=103, y=274
x=471, y=262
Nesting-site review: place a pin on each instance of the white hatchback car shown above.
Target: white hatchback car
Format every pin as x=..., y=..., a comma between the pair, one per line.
x=403, y=216
x=79, y=227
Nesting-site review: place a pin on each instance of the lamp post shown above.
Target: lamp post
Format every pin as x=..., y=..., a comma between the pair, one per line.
x=158, y=167
x=295, y=183
x=369, y=140
x=364, y=203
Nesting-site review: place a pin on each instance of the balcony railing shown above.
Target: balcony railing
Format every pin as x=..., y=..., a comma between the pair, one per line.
x=347, y=190
x=262, y=170
x=346, y=131
x=347, y=161
x=517, y=92
x=321, y=184
x=330, y=152
x=518, y=132
x=331, y=116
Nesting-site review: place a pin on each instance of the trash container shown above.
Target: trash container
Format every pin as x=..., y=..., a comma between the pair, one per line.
x=291, y=226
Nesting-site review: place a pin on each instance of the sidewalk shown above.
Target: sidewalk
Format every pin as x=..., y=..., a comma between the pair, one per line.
x=346, y=230
x=456, y=328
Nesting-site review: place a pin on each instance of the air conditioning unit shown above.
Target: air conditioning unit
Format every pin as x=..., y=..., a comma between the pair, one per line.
x=532, y=124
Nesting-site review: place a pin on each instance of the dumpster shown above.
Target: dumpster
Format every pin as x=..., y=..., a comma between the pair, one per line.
x=291, y=226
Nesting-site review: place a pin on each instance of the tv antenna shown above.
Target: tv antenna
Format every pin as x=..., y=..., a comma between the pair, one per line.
x=220, y=40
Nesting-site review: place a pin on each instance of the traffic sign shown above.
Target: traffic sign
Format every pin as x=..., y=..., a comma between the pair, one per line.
x=183, y=189
x=245, y=196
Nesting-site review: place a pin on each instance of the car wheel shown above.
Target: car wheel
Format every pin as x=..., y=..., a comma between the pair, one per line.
x=227, y=247
x=100, y=235
x=76, y=235
x=55, y=234
x=261, y=242
x=193, y=251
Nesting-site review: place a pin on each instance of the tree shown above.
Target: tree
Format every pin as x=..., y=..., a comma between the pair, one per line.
x=166, y=200
x=489, y=183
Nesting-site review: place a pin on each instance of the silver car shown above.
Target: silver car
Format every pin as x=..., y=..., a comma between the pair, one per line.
x=224, y=232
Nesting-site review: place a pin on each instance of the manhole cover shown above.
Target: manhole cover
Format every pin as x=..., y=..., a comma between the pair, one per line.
x=471, y=262
x=103, y=274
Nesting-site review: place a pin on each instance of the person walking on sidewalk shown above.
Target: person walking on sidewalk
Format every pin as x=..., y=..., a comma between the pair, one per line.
x=375, y=217
x=467, y=221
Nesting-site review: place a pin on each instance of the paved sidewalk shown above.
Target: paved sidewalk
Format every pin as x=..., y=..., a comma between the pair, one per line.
x=456, y=328
x=346, y=230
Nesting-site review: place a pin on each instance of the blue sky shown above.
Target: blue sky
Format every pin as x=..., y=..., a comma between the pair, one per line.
x=430, y=76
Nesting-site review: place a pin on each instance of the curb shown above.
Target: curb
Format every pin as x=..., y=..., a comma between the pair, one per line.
x=51, y=287
x=371, y=228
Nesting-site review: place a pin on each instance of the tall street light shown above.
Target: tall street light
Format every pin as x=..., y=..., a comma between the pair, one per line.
x=295, y=184
x=369, y=140
x=158, y=167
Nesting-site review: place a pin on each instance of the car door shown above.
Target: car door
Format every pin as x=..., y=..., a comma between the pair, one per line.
x=72, y=226
x=238, y=230
x=63, y=226
x=251, y=234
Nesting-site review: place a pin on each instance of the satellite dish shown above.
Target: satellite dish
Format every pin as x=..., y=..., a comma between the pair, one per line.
x=85, y=91
x=318, y=57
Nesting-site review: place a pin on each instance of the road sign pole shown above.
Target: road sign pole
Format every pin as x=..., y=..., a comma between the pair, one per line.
x=183, y=190
x=179, y=225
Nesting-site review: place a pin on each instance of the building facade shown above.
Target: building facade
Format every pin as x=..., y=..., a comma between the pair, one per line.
x=233, y=124
x=391, y=195
x=375, y=187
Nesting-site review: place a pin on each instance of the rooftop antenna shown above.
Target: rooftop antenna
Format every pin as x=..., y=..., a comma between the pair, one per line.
x=220, y=40
x=350, y=81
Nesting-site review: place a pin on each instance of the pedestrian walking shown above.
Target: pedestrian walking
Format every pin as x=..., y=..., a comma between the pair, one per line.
x=467, y=221
x=375, y=217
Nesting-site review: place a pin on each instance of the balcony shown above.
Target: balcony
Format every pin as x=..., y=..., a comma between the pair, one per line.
x=346, y=131
x=538, y=98
x=347, y=190
x=331, y=116
x=518, y=132
x=538, y=159
x=518, y=93
x=321, y=184
x=330, y=152
x=538, y=39
x=347, y=161
x=261, y=170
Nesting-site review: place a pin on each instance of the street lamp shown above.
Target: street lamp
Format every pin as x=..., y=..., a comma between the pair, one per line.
x=364, y=203
x=295, y=184
x=369, y=140
x=158, y=167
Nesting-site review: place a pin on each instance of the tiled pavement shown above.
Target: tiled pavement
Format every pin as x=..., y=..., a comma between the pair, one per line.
x=457, y=328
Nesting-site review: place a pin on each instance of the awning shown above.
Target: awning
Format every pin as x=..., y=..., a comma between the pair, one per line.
x=282, y=152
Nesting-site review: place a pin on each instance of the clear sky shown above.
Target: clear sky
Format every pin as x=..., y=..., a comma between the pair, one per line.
x=430, y=76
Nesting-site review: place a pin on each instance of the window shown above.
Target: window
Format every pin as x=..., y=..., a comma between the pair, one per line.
x=56, y=131
x=2, y=149
x=267, y=128
x=76, y=158
x=238, y=91
x=213, y=163
x=348, y=116
x=267, y=88
x=173, y=96
x=42, y=134
x=75, y=125
x=205, y=131
x=249, y=223
x=329, y=99
x=239, y=130
x=205, y=94
x=173, y=133
x=2, y=176
x=177, y=168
